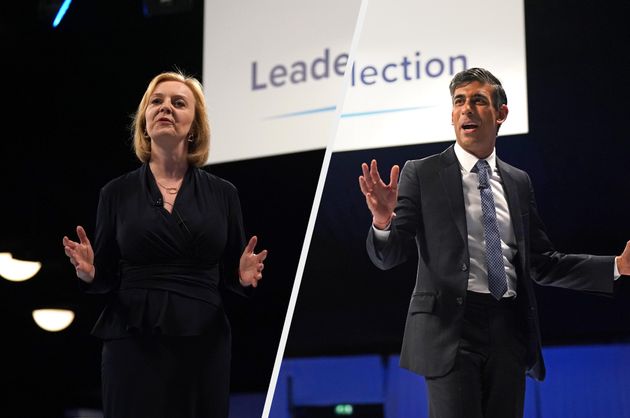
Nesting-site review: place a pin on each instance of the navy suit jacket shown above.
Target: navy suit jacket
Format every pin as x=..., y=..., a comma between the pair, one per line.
x=431, y=219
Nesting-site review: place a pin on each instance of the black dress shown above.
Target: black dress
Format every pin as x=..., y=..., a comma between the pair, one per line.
x=166, y=339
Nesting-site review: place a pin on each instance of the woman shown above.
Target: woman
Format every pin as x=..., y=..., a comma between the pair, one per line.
x=168, y=236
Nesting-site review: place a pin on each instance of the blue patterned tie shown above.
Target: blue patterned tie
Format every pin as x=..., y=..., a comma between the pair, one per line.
x=497, y=281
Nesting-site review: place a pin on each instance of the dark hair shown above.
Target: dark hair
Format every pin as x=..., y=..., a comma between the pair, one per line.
x=483, y=76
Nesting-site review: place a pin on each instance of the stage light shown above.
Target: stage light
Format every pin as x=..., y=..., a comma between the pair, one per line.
x=62, y=11
x=53, y=320
x=17, y=270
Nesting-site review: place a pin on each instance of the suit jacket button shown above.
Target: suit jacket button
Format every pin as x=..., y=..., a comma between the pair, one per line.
x=464, y=267
x=460, y=301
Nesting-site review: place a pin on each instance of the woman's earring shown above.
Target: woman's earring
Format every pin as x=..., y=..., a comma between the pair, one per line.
x=191, y=138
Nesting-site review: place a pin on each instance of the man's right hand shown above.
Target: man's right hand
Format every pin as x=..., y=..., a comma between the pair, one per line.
x=380, y=197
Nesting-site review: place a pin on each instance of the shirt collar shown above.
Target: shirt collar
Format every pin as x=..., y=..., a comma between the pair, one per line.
x=467, y=161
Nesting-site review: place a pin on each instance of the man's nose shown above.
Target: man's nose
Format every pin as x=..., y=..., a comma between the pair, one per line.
x=466, y=107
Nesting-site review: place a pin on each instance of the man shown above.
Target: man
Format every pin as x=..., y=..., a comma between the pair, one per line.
x=472, y=325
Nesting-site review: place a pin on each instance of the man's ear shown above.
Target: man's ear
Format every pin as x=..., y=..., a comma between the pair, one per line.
x=502, y=114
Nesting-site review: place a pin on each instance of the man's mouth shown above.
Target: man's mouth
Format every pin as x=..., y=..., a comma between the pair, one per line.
x=469, y=126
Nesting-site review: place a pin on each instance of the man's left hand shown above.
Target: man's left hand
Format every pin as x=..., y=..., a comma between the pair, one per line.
x=623, y=261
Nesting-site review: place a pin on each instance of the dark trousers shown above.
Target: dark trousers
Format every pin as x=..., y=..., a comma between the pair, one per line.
x=488, y=379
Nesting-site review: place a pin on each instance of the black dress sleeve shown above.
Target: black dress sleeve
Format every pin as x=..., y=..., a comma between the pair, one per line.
x=106, y=251
x=235, y=245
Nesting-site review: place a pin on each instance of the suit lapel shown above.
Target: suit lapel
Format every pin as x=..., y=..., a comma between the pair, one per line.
x=510, y=185
x=451, y=177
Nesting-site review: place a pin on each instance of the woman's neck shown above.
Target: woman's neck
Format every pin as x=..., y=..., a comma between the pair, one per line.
x=168, y=167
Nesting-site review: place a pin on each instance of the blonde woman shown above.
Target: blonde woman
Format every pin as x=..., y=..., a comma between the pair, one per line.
x=168, y=237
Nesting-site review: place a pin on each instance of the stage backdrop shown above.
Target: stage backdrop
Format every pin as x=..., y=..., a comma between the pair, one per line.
x=407, y=53
x=273, y=72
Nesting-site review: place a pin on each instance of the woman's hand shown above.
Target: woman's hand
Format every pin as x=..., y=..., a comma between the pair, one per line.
x=251, y=264
x=81, y=255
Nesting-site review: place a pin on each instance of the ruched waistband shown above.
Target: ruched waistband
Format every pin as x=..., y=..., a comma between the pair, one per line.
x=199, y=282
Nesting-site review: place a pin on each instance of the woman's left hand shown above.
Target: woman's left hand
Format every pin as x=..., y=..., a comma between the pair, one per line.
x=251, y=265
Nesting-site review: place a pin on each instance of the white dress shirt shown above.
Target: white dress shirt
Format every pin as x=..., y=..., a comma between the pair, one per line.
x=478, y=277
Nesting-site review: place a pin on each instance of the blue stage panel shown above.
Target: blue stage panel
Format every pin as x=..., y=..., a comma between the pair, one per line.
x=582, y=382
x=328, y=381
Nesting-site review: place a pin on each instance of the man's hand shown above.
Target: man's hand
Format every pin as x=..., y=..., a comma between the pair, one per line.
x=623, y=261
x=380, y=197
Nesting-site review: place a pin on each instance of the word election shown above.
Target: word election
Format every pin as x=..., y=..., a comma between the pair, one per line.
x=323, y=67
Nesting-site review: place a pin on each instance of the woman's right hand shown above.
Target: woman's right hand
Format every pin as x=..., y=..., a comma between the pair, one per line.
x=81, y=255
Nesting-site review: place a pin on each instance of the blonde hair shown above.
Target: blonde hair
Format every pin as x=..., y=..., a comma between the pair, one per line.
x=199, y=148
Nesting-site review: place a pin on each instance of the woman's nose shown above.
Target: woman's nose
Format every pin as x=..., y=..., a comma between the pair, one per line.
x=165, y=108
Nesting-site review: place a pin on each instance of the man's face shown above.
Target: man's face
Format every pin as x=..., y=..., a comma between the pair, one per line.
x=475, y=118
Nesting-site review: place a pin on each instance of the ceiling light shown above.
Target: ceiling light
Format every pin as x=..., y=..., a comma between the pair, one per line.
x=17, y=270
x=53, y=320
x=62, y=11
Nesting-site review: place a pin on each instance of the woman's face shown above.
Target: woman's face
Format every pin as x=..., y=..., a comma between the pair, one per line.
x=171, y=111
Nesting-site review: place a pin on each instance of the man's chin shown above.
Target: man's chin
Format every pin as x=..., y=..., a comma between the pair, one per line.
x=479, y=147
x=466, y=141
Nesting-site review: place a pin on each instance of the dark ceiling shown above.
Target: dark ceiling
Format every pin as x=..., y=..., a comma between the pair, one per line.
x=68, y=97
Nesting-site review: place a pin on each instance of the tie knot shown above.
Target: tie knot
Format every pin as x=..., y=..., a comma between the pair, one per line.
x=481, y=165
x=482, y=168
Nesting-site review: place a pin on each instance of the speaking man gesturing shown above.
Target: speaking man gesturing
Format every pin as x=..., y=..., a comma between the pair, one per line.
x=472, y=326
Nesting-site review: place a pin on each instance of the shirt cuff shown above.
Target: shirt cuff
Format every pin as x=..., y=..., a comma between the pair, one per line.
x=616, y=270
x=382, y=234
